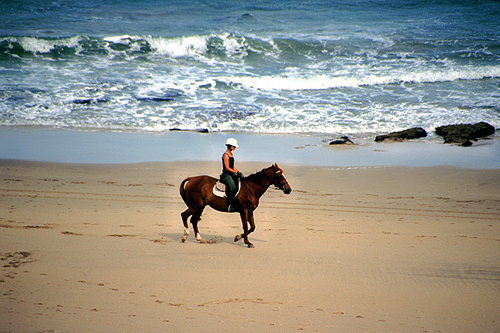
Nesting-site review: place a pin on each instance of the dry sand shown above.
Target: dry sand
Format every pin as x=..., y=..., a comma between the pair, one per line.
x=382, y=249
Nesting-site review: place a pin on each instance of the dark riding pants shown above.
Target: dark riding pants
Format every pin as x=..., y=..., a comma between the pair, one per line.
x=231, y=181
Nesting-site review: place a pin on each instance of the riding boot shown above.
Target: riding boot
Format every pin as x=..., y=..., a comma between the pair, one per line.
x=230, y=207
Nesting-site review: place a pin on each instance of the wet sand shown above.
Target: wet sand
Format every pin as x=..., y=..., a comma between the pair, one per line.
x=387, y=249
x=65, y=146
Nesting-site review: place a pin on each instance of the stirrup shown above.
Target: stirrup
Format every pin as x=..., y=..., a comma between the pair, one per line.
x=231, y=209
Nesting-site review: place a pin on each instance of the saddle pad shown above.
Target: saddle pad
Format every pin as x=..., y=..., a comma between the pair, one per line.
x=220, y=186
x=220, y=189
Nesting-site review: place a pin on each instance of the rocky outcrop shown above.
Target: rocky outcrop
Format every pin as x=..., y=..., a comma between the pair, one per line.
x=412, y=133
x=199, y=130
x=464, y=134
x=344, y=140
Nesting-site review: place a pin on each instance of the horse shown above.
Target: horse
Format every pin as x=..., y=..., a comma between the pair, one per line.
x=197, y=192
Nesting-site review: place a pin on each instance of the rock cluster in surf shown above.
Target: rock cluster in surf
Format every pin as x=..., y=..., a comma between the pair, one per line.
x=412, y=133
x=458, y=134
x=464, y=134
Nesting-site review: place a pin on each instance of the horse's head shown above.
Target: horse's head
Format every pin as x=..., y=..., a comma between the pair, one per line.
x=279, y=180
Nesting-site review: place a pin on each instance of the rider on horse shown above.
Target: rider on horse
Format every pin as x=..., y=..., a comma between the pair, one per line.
x=230, y=174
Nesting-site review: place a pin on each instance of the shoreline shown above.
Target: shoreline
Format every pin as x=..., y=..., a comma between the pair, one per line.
x=67, y=146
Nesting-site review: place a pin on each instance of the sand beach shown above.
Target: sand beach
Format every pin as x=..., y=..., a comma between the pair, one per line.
x=96, y=247
x=106, y=107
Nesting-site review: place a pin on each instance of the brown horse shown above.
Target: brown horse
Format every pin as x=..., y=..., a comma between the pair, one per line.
x=197, y=192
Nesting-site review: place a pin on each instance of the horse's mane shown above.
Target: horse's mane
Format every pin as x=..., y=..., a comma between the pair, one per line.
x=254, y=177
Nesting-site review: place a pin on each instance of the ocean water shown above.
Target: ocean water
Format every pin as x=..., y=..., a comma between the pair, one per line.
x=354, y=67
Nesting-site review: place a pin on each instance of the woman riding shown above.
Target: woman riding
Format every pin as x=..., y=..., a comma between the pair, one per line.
x=230, y=174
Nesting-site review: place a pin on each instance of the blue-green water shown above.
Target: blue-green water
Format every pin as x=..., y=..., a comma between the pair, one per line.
x=291, y=67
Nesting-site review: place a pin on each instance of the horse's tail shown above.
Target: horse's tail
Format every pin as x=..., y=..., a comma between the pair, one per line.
x=182, y=190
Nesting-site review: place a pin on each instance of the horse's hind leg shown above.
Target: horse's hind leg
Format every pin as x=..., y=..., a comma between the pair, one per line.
x=195, y=218
x=194, y=221
x=185, y=215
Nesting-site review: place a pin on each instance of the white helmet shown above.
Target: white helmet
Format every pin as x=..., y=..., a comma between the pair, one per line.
x=232, y=142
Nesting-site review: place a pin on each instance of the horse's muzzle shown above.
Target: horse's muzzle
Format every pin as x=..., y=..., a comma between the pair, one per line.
x=287, y=189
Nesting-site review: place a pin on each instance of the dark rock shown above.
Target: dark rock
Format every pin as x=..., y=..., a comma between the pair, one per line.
x=167, y=97
x=89, y=101
x=464, y=134
x=156, y=99
x=82, y=101
x=412, y=133
x=199, y=130
x=344, y=140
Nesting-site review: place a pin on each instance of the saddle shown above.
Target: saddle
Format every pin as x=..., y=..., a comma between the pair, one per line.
x=220, y=189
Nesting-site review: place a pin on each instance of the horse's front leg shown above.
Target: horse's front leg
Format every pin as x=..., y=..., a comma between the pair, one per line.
x=252, y=227
x=244, y=214
x=251, y=221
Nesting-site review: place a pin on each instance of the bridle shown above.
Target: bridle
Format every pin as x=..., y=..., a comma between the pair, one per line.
x=281, y=186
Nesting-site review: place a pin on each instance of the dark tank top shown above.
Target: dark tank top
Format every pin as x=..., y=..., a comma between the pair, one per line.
x=231, y=164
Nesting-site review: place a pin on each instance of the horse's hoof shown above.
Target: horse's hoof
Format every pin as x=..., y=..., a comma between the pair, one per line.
x=250, y=246
x=237, y=238
x=202, y=241
x=183, y=239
